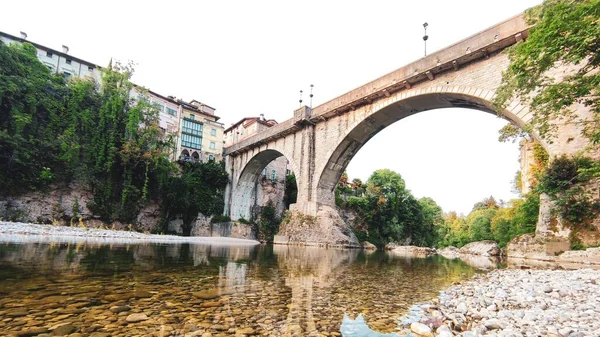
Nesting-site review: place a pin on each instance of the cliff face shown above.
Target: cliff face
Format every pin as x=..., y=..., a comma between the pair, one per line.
x=65, y=205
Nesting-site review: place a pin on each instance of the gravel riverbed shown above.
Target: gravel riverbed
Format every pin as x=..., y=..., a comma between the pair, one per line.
x=25, y=232
x=510, y=303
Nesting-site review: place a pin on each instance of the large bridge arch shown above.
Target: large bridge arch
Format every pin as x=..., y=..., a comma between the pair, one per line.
x=244, y=185
x=394, y=109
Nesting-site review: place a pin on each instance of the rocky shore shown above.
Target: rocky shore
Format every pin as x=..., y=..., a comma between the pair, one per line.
x=511, y=303
x=25, y=232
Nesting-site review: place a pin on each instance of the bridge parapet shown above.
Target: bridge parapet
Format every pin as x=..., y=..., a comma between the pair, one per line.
x=478, y=46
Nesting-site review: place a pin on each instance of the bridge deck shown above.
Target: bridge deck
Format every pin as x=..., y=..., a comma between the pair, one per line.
x=451, y=58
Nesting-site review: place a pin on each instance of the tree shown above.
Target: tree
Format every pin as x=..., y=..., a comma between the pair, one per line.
x=565, y=32
x=291, y=190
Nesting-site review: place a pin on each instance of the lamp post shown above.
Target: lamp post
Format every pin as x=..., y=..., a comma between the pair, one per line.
x=425, y=37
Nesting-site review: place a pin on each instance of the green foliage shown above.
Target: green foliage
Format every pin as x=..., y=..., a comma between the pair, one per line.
x=220, y=218
x=244, y=221
x=199, y=189
x=490, y=221
x=565, y=31
x=268, y=222
x=291, y=190
x=390, y=212
x=564, y=181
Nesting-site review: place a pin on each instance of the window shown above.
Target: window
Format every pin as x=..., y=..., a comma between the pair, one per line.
x=192, y=117
x=211, y=157
x=90, y=68
x=49, y=54
x=192, y=127
x=158, y=106
x=288, y=172
x=190, y=141
x=265, y=172
x=273, y=175
x=212, y=145
x=213, y=132
x=68, y=61
x=66, y=74
x=171, y=111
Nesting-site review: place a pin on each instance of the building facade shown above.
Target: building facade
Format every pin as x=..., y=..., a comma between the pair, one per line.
x=59, y=62
x=271, y=185
x=201, y=135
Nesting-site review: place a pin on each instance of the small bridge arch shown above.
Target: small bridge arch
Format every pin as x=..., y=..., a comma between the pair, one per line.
x=244, y=185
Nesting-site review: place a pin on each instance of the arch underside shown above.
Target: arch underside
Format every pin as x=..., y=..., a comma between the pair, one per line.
x=363, y=131
x=245, y=189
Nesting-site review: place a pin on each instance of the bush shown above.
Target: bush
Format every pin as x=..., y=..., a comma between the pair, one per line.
x=220, y=218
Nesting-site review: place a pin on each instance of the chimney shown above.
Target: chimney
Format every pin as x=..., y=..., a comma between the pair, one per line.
x=262, y=117
x=23, y=35
x=65, y=49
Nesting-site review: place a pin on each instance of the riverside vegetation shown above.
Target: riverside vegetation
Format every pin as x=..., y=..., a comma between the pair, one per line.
x=54, y=131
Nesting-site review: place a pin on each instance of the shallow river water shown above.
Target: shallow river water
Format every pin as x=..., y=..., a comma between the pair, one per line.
x=192, y=290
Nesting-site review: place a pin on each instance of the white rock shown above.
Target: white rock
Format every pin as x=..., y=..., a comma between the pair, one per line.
x=492, y=324
x=133, y=318
x=462, y=308
x=421, y=329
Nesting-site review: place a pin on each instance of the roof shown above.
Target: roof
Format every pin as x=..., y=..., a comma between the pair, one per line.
x=251, y=120
x=195, y=109
x=206, y=105
x=54, y=51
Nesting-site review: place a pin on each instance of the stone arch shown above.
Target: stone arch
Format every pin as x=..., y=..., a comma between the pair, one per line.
x=395, y=108
x=245, y=183
x=195, y=156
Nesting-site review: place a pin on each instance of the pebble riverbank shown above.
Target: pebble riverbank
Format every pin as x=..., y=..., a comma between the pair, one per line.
x=26, y=232
x=511, y=303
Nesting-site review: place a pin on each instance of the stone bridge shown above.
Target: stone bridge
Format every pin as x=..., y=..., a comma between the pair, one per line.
x=319, y=143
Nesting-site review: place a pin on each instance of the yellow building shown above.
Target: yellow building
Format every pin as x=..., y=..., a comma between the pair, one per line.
x=201, y=135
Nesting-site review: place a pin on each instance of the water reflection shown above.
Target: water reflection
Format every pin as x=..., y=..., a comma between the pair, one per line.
x=190, y=288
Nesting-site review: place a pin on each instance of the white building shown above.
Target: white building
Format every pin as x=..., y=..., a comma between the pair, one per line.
x=57, y=61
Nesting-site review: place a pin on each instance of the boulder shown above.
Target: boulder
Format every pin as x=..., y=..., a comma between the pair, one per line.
x=134, y=318
x=483, y=248
x=327, y=229
x=450, y=252
x=413, y=251
x=368, y=246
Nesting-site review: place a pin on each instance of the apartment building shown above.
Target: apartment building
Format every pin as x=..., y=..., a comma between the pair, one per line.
x=201, y=133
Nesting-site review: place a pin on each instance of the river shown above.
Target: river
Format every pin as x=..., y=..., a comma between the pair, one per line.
x=99, y=289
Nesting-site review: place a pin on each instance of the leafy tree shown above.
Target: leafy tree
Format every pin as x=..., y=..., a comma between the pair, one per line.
x=268, y=222
x=565, y=32
x=291, y=190
x=199, y=189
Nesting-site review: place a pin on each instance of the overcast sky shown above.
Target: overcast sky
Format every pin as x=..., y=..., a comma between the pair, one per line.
x=245, y=58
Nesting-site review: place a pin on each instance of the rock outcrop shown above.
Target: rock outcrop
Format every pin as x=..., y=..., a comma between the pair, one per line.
x=450, y=252
x=327, y=229
x=483, y=248
x=68, y=206
x=368, y=246
x=412, y=251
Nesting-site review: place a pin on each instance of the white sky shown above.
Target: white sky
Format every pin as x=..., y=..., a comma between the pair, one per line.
x=245, y=58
